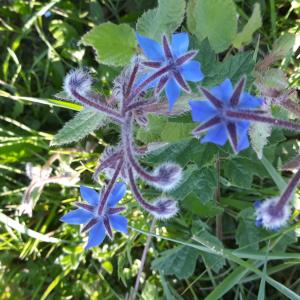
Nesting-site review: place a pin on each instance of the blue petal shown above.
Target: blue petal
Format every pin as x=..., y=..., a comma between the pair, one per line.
x=116, y=194
x=96, y=235
x=119, y=223
x=216, y=135
x=223, y=91
x=78, y=216
x=180, y=43
x=172, y=92
x=249, y=101
x=89, y=195
x=191, y=71
x=151, y=48
x=242, y=131
x=202, y=110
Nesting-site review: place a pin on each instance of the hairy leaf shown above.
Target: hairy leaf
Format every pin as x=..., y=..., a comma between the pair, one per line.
x=201, y=182
x=215, y=20
x=245, y=36
x=114, y=44
x=84, y=123
x=166, y=18
x=185, y=151
x=179, y=261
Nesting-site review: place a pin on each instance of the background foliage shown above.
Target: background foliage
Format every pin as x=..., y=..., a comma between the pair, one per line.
x=191, y=256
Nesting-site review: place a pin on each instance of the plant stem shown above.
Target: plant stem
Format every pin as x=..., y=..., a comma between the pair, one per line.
x=285, y=197
x=98, y=106
x=219, y=227
x=249, y=116
x=143, y=260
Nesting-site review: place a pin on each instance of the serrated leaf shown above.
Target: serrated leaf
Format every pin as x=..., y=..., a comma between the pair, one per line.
x=84, y=123
x=114, y=44
x=201, y=182
x=245, y=36
x=166, y=18
x=215, y=20
x=179, y=261
x=259, y=134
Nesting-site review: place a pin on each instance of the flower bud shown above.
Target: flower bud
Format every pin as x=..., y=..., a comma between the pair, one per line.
x=165, y=208
x=270, y=215
x=168, y=176
x=77, y=80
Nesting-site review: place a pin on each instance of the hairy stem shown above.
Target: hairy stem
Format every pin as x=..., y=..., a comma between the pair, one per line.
x=285, y=197
x=98, y=106
x=249, y=116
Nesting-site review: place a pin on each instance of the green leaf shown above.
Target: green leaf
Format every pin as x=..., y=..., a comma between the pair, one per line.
x=234, y=67
x=201, y=182
x=179, y=261
x=245, y=36
x=114, y=44
x=215, y=20
x=84, y=123
x=184, y=152
x=166, y=18
x=283, y=46
x=259, y=134
x=164, y=129
x=250, y=240
x=212, y=261
x=193, y=204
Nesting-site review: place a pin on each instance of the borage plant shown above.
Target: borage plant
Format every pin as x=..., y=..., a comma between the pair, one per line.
x=165, y=87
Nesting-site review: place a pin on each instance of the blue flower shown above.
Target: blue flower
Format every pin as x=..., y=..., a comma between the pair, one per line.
x=98, y=225
x=172, y=64
x=213, y=114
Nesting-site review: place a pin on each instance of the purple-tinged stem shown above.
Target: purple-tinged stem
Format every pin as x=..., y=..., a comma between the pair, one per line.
x=109, y=188
x=103, y=108
x=291, y=106
x=285, y=197
x=147, y=206
x=131, y=79
x=248, y=116
x=140, y=104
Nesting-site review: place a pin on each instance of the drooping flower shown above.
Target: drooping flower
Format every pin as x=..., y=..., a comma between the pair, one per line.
x=98, y=224
x=212, y=113
x=270, y=215
x=274, y=213
x=171, y=65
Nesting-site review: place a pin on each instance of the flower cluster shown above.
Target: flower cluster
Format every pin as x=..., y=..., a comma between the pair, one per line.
x=226, y=113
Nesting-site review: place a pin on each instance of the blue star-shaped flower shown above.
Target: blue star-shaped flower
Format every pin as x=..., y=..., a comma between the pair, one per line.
x=98, y=225
x=172, y=63
x=212, y=112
